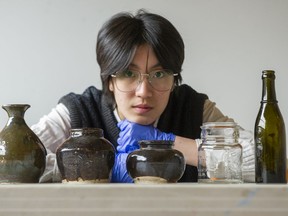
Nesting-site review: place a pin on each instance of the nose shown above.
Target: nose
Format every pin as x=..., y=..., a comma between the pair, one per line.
x=144, y=88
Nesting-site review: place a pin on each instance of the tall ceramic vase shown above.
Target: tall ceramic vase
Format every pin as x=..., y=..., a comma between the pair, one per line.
x=22, y=155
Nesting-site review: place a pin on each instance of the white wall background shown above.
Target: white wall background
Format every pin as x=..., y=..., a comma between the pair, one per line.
x=47, y=49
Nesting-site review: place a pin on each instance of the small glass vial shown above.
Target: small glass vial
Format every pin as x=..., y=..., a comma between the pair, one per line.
x=220, y=154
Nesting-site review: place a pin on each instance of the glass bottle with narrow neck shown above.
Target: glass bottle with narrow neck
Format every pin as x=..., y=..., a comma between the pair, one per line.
x=269, y=134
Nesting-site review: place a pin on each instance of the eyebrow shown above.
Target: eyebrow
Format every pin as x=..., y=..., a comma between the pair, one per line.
x=154, y=66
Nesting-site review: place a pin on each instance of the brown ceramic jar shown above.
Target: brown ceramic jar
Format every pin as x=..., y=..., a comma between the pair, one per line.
x=156, y=162
x=86, y=157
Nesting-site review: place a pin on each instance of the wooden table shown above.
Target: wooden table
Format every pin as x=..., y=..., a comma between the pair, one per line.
x=131, y=199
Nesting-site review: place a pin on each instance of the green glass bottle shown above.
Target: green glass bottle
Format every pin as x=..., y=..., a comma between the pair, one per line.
x=269, y=134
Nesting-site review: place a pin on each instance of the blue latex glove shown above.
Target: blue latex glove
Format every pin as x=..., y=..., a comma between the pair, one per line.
x=119, y=171
x=130, y=134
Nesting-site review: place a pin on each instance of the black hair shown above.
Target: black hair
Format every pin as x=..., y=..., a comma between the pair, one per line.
x=120, y=36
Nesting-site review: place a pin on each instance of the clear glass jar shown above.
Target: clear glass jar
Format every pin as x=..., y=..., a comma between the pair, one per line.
x=220, y=153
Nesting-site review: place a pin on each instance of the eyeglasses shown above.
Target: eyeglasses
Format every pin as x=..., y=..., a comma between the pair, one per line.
x=129, y=80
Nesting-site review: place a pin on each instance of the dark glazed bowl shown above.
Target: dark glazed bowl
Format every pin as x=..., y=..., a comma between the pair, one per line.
x=155, y=162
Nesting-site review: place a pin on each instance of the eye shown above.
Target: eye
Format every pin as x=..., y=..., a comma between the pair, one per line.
x=158, y=74
x=128, y=74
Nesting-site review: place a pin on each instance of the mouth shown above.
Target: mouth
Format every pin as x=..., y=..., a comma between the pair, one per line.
x=142, y=108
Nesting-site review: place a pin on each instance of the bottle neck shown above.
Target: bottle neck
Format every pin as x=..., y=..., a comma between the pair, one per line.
x=268, y=87
x=15, y=113
x=16, y=110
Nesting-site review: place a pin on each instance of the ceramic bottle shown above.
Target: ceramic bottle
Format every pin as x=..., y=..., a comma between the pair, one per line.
x=22, y=154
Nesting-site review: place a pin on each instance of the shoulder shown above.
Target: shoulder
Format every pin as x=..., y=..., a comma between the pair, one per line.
x=183, y=113
x=84, y=108
x=90, y=99
x=92, y=90
x=89, y=93
x=184, y=91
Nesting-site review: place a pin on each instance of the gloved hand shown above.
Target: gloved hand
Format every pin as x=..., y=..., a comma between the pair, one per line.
x=119, y=171
x=131, y=133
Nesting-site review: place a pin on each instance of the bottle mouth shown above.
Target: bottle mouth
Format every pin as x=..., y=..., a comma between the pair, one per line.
x=268, y=74
x=86, y=131
x=16, y=110
x=219, y=125
x=15, y=105
x=220, y=132
x=156, y=143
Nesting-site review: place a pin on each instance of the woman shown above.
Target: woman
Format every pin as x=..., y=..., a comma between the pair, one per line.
x=140, y=59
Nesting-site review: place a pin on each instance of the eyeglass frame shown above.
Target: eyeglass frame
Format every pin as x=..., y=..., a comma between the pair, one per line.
x=148, y=78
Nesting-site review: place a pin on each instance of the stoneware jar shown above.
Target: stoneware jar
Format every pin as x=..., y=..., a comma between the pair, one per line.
x=155, y=162
x=85, y=157
x=22, y=154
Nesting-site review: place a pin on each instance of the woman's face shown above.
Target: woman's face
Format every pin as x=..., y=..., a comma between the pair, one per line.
x=145, y=104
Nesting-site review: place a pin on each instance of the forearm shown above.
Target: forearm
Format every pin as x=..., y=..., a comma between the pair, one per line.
x=53, y=129
x=188, y=147
x=212, y=114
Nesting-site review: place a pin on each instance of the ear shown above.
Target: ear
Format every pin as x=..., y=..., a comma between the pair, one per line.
x=111, y=86
x=174, y=85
